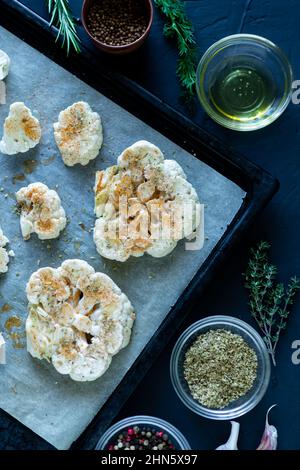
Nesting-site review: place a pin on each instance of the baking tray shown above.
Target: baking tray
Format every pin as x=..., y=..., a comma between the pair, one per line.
x=258, y=185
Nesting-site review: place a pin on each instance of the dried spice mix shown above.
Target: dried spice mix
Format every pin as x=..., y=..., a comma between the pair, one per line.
x=117, y=22
x=219, y=368
x=141, y=438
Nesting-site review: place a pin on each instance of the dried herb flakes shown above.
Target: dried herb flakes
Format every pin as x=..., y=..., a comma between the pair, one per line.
x=219, y=367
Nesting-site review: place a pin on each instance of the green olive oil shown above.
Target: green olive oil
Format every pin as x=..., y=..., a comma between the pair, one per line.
x=243, y=93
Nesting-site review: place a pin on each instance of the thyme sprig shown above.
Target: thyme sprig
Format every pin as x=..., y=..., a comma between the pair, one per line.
x=269, y=300
x=178, y=26
x=61, y=16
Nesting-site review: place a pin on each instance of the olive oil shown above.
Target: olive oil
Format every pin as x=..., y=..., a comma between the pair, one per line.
x=243, y=92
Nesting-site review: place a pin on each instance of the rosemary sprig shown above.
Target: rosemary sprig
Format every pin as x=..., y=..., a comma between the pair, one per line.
x=269, y=301
x=178, y=26
x=61, y=16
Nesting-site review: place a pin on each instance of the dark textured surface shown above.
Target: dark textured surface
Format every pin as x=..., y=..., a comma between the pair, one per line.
x=276, y=149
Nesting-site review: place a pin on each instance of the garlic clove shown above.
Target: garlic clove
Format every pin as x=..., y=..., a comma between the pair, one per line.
x=231, y=444
x=4, y=64
x=269, y=438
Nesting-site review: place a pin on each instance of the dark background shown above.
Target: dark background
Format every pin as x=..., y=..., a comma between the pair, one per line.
x=276, y=149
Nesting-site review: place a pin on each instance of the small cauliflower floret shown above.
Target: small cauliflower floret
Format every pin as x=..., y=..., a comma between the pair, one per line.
x=21, y=130
x=4, y=64
x=143, y=205
x=78, y=319
x=41, y=212
x=78, y=134
x=4, y=258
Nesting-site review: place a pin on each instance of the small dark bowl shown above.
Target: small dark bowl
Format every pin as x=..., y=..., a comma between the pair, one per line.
x=118, y=50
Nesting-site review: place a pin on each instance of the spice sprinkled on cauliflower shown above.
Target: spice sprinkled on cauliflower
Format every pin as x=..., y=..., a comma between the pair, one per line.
x=157, y=197
x=41, y=212
x=4, y=64
x=78, y=134
x=78, y=319
x=4, y=256
x=21, y=130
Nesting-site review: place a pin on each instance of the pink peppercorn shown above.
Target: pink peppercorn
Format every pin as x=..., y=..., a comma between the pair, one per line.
x=142, y=438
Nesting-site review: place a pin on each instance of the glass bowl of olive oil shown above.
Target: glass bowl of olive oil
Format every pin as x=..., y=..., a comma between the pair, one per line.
x=244, y=82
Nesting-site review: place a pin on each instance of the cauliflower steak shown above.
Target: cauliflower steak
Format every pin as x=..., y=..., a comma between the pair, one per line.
x=78, y=319
x=4, y=65
x=78, y=134
x=41, y=212
x=21, y=130
x=157, y=195
x=4, y=258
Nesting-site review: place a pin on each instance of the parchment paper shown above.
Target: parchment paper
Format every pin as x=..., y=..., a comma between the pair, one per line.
x=52, y=405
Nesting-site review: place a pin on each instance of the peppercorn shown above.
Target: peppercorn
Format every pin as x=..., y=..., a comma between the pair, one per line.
x=117, y=22
x=141, y=438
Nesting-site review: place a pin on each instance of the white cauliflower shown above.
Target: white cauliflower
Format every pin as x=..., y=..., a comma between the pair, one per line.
x=2, y=350
x=78, y=134
x=41, y=212
x=78, y=319
x=160, y=208
x=4, y=65
x=4, y=258
x=21, y=130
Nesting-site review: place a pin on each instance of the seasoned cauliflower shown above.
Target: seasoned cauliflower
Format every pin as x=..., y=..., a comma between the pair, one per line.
x=78, y=319
x=78, y=134
x=157, y=196
x=4, y=64
x=21, y=130
x=41, y=212
x=2, y=350
x=4, y=258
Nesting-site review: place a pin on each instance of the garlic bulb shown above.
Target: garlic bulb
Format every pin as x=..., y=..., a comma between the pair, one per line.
x=269, y=438
x=231, y=444
x=4, y=64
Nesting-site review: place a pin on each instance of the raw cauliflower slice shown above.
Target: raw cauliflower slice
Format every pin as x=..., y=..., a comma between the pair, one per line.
x=4, y=64
x=78, y=319
x=4, y=258
x=78, y=134
x=161, y=205
x=21, y=130
x=41, y=212
x=2, y=350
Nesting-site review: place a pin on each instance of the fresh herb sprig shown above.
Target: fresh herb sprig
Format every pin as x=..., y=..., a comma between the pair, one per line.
x=269, y=300
x=178, y=26
x=61, y=16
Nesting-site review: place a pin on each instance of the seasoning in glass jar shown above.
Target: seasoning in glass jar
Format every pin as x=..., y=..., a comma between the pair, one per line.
x=141, y=438
x=219, y=368
x=117, y=22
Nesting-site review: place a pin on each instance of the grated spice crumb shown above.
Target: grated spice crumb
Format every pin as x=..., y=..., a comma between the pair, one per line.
x=219, y=367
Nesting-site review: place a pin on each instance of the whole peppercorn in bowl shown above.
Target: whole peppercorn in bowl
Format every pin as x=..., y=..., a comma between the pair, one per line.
x=142, y=433
x=117, y=26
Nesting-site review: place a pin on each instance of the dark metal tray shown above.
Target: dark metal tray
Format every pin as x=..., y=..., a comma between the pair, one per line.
x=258, y=184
